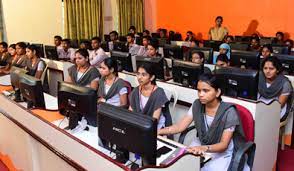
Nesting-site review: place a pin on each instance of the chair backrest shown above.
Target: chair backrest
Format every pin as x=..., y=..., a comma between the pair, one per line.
x=129, y=89
x=247, y=122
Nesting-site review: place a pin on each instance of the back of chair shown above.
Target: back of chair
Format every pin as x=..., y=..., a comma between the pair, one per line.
x=247, y=122
x=129, y=89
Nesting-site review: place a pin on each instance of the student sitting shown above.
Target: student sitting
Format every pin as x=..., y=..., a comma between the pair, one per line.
x=13, y=57
x=254, y=44
x=217, y=33
x=112, y=89
x=133, y=31
x=218, y=126
x=279, y=39
x=34, y=64
x=163, y=33
x=21, y=58
x=198, y=58
x=289, y=43
x=146, y=33
x=228, y=39
x=4, y=55
x=274, y=85
x=133, y=48
x=223, y=49
x=148, y=98
x=83, y=74
x=266, y=51
x=190, y=36
x=57, y=42
x=66, y=52
x=144, y=49
x=222, y=61
x=113, y=38
x=85, y=45
x=97, y=55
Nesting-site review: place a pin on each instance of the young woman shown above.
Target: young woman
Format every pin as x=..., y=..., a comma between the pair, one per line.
x=198, y=58
x=13, y=57
x=82, y=73
x=34, y=64
x=274, y=85
x=112, y=89
x=4, y=55
x=147, y=98
x=254, y=44
x=218, y=32
x=266, y=51
x=217, y=123
x=20, y=60
x=223, y=49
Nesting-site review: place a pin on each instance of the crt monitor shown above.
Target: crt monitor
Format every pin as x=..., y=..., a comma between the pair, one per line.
x=129, y=130
x=237, y=82
x=15, y=74
x=157, y=62
x=186, y=73
x=124, y=60
x=51, y=52
x=280, y=49
x=105, y=46
x=106, y=37
x=208, y=53
x=120, y=46
x=212, y=44
x=245, y=59
x=287, y=63
x=239, y=46
x=173, y=51
x=76, y=101
x=32, y=90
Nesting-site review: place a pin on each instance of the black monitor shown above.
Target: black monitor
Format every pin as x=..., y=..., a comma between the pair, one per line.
x=76, y=101
x=32, y=90
x=287, y=63
x=243, y=39
x=173, y=51
x=266, y=40
x=237, y=82
x=212, y=44
x=239, y=46
x=132, y=131
x=186, y=73
x=162, y=42
x=157, y=62
x=280, y=49
x=139, y=40
x=124, y=60
x=40, y=48
x=105, y=46
x=208, y=53
x=245, y=59
x=106, y=37
x=15, y=75
x=155, y=35
x=120, y=46
x=122, y=38
x=51, y=52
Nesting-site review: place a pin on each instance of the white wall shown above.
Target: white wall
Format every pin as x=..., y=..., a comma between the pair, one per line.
x=32, y=20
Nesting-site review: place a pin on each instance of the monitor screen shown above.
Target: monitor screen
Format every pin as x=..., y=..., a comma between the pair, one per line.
x=237, y=82
x=124, y=60
x=31, y=89
x=77, y=101
x=212, y=44
x=280, y=49
x=186, y=73
x=157, y=62
x=133, y=131
x=245, y=59
x=287, y=63
x=120, y=46
x=239, y=46
x=51, y=52
x=105, y=46
x=173, y=51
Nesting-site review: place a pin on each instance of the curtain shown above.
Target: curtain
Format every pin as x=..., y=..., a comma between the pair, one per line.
x=131, y=12
x=83, y=19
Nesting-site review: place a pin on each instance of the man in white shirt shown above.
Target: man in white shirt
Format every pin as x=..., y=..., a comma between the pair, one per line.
x=113, y=38
x=97, y=55
x=57, y=42
x=66, y=52
x=144, y=49
x=133, y=48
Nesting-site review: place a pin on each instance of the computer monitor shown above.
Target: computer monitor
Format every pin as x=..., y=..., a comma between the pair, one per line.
x=157, y=62
x=208, y=53
x=245, y=59
x=122, y=38
x=186, y=73
x=105, y=46
x=212, y=44
x=129, y=130
x=162, y=42
x=280, y=49
x=51, y=52
x=239, y=46
x=124, y=60
x=243, y=39
x=32, y=91
x=40, y=48
x=120, y=46
x=15, y=75
x=106, y=37
x=173, y=51
x=139, y=40
x=266, y=40
x=237, y=82
x=76, y=101
x=155, y=35
x=287, y=63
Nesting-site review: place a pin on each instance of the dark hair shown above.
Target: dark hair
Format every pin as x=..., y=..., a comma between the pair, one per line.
x=4, y=44
x=146, y=31
x=149, y=68
x=131, y=35
x=255, y=38
x=210, y=79
x=219, y=17
x=114, y=32
x=200, y=53
x=163, y=30
x=58, y=37
x=275, y=61
x=229, y=36
x=96, y=38
x=189, y=32
x=269, y=46
x=23, y=45
x=87, y=44
x=83, y=52
x=132, y=28
x=111, y=63
x=34, y=48
x=67, y=41
x=291, y=42
x=12, y=46
x=147, y=37
x=280, y=33
x=223, y=58
x=154, y=43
